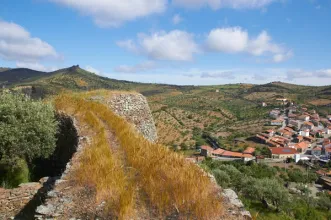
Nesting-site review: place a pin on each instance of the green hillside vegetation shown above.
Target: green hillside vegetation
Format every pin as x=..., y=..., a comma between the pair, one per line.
x=262, y=189
x=221, y=111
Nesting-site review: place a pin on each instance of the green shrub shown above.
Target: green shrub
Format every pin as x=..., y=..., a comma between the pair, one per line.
x=27, y=131
x=15, y=175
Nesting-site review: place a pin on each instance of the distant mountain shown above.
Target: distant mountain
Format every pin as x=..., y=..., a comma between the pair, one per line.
x=72, y=78
x=4, y=69
x=181, y=111
x=77, y=79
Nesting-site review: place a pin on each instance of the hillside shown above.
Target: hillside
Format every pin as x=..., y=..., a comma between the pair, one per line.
x=4, y=69
x=183, y=114
x=113, y=171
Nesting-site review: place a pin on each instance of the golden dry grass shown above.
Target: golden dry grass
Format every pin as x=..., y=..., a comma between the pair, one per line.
x=163, y=179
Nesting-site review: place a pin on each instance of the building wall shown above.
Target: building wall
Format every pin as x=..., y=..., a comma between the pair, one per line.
x=204, y=152
x=317, y=152
x=282, y=156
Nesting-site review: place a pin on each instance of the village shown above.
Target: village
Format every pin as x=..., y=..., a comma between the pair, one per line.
x=298, y=134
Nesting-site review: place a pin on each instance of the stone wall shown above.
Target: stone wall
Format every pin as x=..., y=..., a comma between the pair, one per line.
x=135, y=109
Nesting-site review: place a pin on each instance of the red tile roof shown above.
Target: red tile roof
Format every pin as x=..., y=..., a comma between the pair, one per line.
x=301, y=145
x=207, y=148
x=218, y=151
x=236, y=154
x=282, y=150
x=308, y=123
x=225, y=153
x=249, y=150
x=288, y=129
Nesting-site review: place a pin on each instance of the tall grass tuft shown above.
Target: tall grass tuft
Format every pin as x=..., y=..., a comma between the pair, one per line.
x=99, y=167
x=166, y=181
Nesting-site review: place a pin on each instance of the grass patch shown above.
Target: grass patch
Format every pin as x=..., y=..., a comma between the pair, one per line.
x=164, y=180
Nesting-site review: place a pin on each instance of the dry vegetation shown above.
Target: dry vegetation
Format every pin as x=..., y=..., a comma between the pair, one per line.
x=147, y=174
x=319, y=102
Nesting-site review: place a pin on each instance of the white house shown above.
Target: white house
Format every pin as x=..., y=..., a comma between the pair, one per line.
x=308, y=125
x=304, y=117
x=296, y=123
x=304, y=133
x=274, y=113
x=328, y=130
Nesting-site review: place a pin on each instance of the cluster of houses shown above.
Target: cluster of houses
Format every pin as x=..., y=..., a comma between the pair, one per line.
x=301, y=132
x=208, y=151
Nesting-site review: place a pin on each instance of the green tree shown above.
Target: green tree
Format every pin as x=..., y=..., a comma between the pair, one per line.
x=27, y=130
x=222, y=178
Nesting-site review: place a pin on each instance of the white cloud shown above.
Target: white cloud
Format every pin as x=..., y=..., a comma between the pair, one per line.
x=230, y=40
x=112, y=13
x=35, y=66
x=175, y=45
x=217, y=4
x=93, y=70
x=16, y=44
x=280, y=57
x=299, y=73
x=226, y=75
x=141, y=67
x=237, y=40
x=128, y=45
x=176, y=19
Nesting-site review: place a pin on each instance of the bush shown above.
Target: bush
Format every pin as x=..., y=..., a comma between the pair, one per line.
x=27, y=131
x=222, y=178
x=15, y=175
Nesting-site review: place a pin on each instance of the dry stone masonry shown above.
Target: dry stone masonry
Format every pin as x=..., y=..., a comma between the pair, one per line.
x=134, y=108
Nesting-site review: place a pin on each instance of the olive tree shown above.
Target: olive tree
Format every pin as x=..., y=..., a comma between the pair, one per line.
x=27, y=129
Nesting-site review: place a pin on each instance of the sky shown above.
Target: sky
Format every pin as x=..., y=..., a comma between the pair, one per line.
x=184, y=42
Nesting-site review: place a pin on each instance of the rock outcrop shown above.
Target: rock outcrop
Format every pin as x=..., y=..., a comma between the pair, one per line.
x=235, y=206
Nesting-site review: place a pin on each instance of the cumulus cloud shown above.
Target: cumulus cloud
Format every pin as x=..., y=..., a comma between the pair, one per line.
x=176, y=19
x=175, y=45
x=113, y=13
x=299, y=73
x=16, y=44
x=280, y=57
x=141, y=67
x=217, y=4
x=237, y=40
x=93, y=70
x=128, y=45
x=230, y=40
x=225, y=75
x=35, y=66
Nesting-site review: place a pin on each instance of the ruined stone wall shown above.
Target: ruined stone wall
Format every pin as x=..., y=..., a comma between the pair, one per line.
x=135, y=109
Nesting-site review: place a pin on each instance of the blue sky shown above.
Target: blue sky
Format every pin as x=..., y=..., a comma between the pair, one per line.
x=178, y=42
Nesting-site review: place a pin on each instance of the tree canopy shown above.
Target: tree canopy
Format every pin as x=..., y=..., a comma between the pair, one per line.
x=27, y=130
